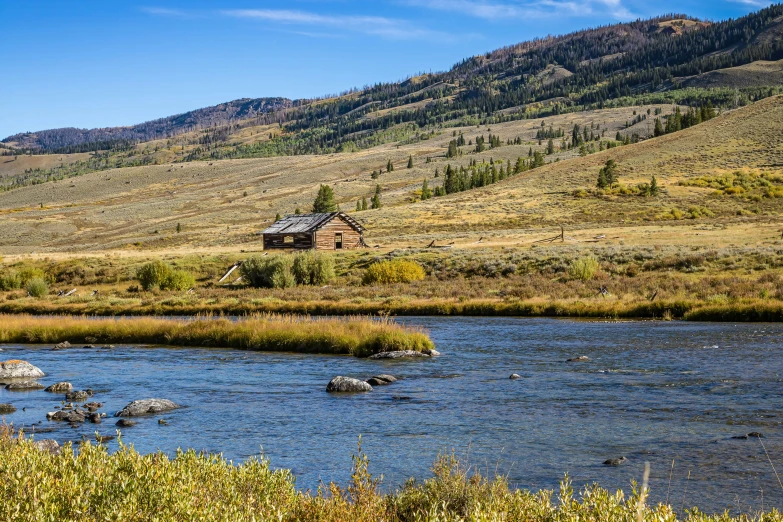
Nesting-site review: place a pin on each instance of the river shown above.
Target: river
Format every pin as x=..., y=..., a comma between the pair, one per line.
x=653, y=392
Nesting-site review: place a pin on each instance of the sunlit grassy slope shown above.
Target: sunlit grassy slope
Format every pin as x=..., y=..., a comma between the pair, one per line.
x=223, y=204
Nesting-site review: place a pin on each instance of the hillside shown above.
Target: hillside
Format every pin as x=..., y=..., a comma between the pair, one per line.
x=80, y=140
x=223, y=204
x=594, y=68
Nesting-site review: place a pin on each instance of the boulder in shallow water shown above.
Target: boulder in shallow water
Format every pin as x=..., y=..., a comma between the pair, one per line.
x=615, y=462
x=48, y=445
x=6, y=408
x=398, y=354
x=60, y=387
x=78, y=395
x=125, y=423
x=67, y=416
x=146, y=407
x=24, y=386
x=752, y=434
x=381, y=380
x=514, y=376
x=432, y=352
x=62, y=346
x=347, y=384
x=16, y=369
x=581, y=358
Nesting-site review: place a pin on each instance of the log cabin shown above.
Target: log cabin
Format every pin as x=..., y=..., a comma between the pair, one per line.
x=326, y=231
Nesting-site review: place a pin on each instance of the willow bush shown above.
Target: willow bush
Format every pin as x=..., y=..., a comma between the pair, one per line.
x=393, y=271
x=88, y=483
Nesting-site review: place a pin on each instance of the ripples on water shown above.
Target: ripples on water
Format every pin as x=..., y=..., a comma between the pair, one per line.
x=651, y=392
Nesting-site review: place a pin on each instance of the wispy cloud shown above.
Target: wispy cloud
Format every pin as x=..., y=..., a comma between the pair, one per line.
x=370, y=25
x=754, y=3
x=163, y=11
x=490, y=10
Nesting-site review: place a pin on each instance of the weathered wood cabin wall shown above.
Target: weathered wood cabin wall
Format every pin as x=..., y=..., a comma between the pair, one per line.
x=279, y=241
x=325, y=236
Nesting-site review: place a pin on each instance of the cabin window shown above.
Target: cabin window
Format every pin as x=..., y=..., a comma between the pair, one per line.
x=289, y=240
x=338, y=240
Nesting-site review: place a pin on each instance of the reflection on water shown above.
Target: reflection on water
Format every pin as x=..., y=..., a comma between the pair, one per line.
x=652, y=392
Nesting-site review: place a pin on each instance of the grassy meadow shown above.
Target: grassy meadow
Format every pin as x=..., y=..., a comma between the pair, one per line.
x=346, y=336
x=88, y=483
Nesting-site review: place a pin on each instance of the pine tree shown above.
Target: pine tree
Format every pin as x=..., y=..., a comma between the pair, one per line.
x=376, y=199
x=437, y=173
x=426, y=193
x=358, y=205
x=654, y=189
x=374, y=174
x=179, y=228
x=658, y=131
x=410, y=162
x=324, y=201
x=297, y=211
x=550, y=147
x=607, y=176
x=389, y=166
x=278, y=217
x=364, y=203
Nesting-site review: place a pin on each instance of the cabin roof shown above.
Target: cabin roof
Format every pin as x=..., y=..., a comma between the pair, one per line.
x=306, y=223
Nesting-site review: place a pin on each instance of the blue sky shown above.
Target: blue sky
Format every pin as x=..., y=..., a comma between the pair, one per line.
x=99, y=63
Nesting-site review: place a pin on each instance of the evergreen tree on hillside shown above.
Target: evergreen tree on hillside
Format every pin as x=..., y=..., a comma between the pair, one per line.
x=654, y=189
x=389, y=166
x=376, y=199
x=658, y=131
x=426, y=193
x=364, y=203
x=607, y=176
x=324, y=201
x=410, y=162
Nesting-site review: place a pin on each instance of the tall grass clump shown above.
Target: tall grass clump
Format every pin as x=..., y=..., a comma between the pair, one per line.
x=583, y=269
x=89, y=483
x=356, y=336
x=393, y=271
x=37, y=287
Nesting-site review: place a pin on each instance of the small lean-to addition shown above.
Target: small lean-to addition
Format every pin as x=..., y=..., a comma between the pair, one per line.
x=327, y=231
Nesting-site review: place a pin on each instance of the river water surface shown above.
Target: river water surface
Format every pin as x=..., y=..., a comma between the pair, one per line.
x=651, y=391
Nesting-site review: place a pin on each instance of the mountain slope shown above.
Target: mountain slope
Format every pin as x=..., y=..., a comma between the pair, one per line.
x=79, y=140
x=585, y=69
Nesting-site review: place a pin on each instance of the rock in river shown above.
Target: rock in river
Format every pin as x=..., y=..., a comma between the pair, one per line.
x=347, y=384
x=16, y=369
x=67, y=416
x=398, y=354
x=78, y=396
x=380, y=380
x=514, y=376
x=581, y=358
x=125, y=423
x=62, y=346
x=6, y=408
x=24, y=386
x=49, y=445
x=615, y=462
x=60, y=387
x=755, y=434
x=146, y=407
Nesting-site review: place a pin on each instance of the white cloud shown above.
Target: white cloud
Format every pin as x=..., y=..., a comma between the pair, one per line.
x=754, y=3
x=529, y=9
x=371, y=25
x=163, y=11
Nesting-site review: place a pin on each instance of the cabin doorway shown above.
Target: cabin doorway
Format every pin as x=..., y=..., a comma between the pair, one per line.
x=338, y=241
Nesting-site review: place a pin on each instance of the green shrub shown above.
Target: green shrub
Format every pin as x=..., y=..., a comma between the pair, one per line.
x=10, y=281
x=26, y=274
x=394, y=271
x=153, y=274
x=37, y=287
x=313, y=268
x=178, y=280
x=583, y=269
x=273, y=272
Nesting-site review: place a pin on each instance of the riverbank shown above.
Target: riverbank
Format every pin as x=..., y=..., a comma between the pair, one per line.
x=356, y=336
x=92, y=484
x=746, y=310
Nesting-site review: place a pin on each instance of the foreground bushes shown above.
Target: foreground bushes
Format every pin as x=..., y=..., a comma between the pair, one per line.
x=286, y=271
x=348, y=336
x=393, y=271
x=158, y=274
x=90, y=484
